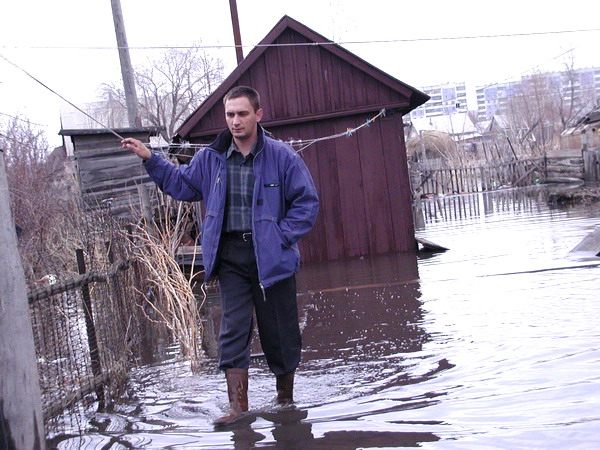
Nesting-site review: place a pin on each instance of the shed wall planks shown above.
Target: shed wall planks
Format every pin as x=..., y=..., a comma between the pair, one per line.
x=108, y=174
x=319, y=90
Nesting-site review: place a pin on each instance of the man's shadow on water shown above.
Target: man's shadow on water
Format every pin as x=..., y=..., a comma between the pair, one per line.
x=290, y=431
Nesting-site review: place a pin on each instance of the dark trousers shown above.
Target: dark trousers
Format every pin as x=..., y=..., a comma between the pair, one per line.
x=276, y=312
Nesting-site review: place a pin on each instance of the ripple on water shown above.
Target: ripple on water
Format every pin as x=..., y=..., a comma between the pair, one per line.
x=493, y=343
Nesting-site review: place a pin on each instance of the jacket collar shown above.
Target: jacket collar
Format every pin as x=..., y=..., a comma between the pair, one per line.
x=223, y=141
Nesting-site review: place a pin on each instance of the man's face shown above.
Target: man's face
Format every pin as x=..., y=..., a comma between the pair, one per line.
x=241, y=118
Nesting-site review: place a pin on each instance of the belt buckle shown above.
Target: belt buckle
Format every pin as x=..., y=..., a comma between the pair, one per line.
x=246, y=237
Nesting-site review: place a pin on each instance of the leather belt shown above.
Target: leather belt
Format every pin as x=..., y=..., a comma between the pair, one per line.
x=245, y=236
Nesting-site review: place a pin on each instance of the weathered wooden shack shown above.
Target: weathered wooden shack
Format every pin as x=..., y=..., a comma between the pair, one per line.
x=311, y=88
x=108, y=175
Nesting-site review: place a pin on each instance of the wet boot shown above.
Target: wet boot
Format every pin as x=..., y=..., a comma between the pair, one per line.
x=237, y=391
x=285, y=389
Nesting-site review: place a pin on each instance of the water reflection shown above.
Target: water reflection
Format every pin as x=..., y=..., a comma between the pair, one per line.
x=493, y=343
x=457, y=207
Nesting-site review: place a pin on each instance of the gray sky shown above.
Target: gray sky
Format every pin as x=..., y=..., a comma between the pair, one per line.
x=30, y=28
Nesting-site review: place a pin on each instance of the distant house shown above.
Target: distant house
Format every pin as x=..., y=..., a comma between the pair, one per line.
x=459, y=126
x=585, y=134
x=311, y=91
x=443, y=138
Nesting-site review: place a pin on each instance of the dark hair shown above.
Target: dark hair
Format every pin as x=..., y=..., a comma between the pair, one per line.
x=244, y=91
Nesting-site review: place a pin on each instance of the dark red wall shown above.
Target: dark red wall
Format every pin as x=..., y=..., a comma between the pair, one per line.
x=363, y=186
x=310, y=92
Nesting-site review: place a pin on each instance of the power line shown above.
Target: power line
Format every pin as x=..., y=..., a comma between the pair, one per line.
x=305, y=44
x=16, y=141
x=527, y=70
x=302, y=144
x=61, y=97
x=22, y=120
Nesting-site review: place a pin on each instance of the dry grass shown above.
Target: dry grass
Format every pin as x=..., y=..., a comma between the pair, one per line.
x=170, y=296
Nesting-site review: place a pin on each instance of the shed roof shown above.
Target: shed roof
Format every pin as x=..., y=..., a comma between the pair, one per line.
x=98, y=131
x=303, y=36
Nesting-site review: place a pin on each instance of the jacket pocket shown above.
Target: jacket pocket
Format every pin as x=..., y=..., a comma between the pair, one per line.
x=282, y=238
x=277, y=259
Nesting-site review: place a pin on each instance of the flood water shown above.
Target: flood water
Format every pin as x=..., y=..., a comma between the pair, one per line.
x=493, y=343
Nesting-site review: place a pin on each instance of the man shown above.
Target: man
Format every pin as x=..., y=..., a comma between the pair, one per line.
x=260, y=200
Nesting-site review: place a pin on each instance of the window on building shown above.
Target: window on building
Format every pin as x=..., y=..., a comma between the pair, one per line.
x=448, y=94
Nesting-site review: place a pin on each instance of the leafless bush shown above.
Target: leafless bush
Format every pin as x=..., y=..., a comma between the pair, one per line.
x=43, y=200
x=171, y=297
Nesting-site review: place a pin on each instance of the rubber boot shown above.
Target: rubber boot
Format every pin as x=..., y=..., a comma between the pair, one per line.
x=285, y=389
x=237, y=391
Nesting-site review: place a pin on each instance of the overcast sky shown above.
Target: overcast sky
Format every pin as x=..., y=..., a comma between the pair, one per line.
x=53, y=40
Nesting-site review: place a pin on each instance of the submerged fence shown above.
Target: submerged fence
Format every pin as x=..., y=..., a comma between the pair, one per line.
x=89, y=329
x=465, y=180
x=460, y=207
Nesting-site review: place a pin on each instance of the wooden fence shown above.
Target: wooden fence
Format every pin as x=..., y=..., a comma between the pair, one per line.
x=591, y=164
x=465, y=180
x=88, y=331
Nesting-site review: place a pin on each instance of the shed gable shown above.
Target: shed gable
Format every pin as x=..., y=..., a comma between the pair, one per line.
x=303, y=82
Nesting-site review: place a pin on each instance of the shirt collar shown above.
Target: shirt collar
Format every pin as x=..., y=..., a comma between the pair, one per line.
x=232, y=148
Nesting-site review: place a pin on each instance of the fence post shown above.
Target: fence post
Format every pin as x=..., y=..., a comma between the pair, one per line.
x=21, y=419
x=91, y=330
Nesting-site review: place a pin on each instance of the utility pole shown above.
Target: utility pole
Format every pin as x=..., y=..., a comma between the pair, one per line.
x=237, y=37
x=126, y=68
x=21, y=419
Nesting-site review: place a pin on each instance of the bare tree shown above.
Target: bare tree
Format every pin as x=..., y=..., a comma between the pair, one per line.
x=171, y=87
x=42, y=200
x=543, y=105
x=574, y=97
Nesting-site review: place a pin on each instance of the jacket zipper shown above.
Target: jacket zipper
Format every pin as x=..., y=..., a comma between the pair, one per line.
x=217, y=188
x=262, y=287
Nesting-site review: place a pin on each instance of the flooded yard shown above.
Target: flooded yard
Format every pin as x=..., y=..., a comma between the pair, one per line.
x=495, y=343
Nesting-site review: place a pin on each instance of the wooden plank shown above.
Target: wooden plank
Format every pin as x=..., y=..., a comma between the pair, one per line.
x=352, y=207
x=399, y=191
x=323, y=100
x=288, y=73
x=275, y=64
x=111, y=185
x=312, y=246
x=310, y=80
x=329, y=192
x=260, y=81
x=430, y=246
x=375, y=191
x=124, y=191
x=89, y=165
x=339, y=82
x=590, y=245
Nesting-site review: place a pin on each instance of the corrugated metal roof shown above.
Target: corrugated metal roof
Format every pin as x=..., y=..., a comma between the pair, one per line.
x=457, y=125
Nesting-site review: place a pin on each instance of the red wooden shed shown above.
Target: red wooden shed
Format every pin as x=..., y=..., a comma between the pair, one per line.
x=311, y=88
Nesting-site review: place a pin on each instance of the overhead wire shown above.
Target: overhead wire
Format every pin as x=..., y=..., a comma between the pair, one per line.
x=527, y=70
x=61, y=97
x=22, y=120
x=302, y=144
x=304, y=44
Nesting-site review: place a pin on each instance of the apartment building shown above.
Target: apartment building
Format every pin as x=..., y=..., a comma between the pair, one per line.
x=446, y=99
x=581, y=86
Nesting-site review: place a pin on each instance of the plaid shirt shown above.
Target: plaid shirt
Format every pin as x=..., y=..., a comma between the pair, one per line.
x=240, y=186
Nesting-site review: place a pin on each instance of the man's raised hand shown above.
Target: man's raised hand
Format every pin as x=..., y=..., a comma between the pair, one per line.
x=136, y=146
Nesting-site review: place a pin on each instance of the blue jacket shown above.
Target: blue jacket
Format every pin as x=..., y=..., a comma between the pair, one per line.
x=284, y=207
